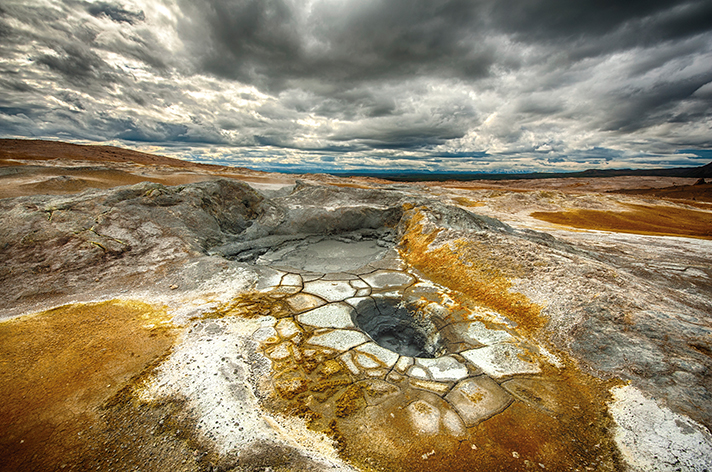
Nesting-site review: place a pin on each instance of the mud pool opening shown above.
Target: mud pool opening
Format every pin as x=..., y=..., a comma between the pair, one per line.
x=398, y=327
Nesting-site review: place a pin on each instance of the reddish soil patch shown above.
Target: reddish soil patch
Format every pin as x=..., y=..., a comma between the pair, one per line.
x=640, y=219
x=62, y=181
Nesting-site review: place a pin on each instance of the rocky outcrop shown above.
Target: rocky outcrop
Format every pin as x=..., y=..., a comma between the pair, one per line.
x=53, y=245
x=317, y=210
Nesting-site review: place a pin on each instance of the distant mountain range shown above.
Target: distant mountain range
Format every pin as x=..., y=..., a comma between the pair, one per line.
x=689, y=172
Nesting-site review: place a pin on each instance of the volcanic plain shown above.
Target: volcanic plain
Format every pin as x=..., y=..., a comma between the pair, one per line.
x=161, y=315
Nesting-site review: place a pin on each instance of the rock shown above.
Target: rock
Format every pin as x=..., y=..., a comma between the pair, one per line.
x=655, y=438
x=333, y=315
x=54, y=244
x=425, y=417
x=331, y=291
x=502, y=360
x=477, y=399
x=339, y=339
x=304, y=301
x=444, y=368
x=384, y=357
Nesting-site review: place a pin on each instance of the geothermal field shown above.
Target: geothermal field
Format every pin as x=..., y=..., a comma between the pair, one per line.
x=161, y=315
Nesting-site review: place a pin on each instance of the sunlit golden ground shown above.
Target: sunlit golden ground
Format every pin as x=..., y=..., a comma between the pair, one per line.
x=639, y=219
x=58, y=367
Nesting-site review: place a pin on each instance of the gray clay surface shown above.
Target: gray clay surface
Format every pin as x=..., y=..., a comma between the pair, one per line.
x=326, y=254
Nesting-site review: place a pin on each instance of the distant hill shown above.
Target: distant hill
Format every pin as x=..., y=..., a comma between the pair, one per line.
x=35, y=149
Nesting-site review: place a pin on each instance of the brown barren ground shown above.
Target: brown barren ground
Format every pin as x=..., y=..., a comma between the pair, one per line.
x=696, y=192
x=33, y=167
x=27, y=149
x=640, y=219
x=58, y=367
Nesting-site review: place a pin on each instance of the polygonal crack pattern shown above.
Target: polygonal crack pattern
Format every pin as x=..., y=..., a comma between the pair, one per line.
x=378, y=343
x=382, y=323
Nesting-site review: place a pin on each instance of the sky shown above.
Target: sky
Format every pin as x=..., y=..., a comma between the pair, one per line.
x=367, y=85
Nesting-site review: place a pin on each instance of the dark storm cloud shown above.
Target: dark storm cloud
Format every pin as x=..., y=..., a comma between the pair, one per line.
x=75, y=40
x=438, y=84
x=640, y=21
x=345, y=104
x=272, y=43
x=77, y=64
x=573, y=32
x=390, y=135
x=115, y=12
x=14, y=85
x=644, y=108
x=132, y=130
x=335, y=48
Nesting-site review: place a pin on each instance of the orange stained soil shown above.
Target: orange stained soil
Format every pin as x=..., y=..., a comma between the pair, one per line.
x=556, y=421
x=58, y=367
x=525, y=436
x=638, y=219
x=470, y=268
x=699, y=192
x=464, y=201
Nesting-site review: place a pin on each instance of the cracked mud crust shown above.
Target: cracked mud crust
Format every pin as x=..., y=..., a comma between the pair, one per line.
x=331, y=324
x=448, y=414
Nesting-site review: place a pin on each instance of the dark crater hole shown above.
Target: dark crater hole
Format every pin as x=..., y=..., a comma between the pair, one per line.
x=398, y=327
